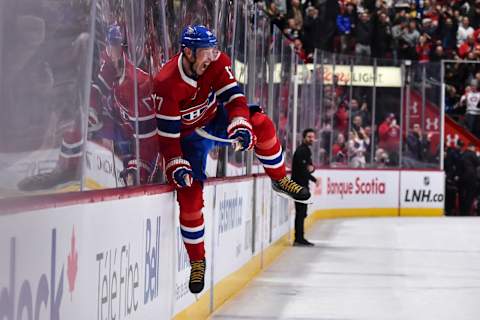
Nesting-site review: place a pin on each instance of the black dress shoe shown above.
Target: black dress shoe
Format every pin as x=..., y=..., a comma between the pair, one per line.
x=303, y=243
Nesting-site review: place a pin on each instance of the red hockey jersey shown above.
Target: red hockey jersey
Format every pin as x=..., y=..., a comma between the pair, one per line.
x=186, y=104
x=121, y=87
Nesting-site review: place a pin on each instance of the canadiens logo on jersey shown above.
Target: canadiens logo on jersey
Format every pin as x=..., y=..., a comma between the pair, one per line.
x=191, y=114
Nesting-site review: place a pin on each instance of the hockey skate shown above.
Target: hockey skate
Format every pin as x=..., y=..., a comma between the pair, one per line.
x=288, y=188
x=47, y=180
x=197, y=276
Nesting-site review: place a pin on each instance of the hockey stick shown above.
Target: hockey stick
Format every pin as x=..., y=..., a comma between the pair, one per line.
x=204, y=134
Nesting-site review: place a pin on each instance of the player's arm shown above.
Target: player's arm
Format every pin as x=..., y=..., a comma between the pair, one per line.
x=231, y=95
x=95, y=109
x=106, y=76
x=178, y=170
x=227, y=89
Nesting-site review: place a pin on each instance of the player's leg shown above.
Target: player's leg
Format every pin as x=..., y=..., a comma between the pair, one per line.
x=192, y=227
x=269, y=152
x=190, y=200
x=66, y=169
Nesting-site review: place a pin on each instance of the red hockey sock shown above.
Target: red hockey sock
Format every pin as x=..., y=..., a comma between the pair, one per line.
x=268, y=149
x=192, y=225
x=71, y=150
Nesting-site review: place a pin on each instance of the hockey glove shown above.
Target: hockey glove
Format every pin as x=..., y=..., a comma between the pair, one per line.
x=129, y=174
x=179, y=173
x=241, y=130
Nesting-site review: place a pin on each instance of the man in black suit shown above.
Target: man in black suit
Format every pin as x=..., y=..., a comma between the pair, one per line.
x=302, y=168
x=468, y=179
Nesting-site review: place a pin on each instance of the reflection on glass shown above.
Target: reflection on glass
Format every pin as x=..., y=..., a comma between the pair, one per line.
x=43, y=64
x=129, y=56
x=59, y=136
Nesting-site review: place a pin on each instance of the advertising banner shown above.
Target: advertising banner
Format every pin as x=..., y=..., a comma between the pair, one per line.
x=280, y=215
x=233, y=227
x=363, y=76
x=102, y=167
x=343, y=189
x=422, y=189
x=107, y=260
x=262, y=214
x=360, y=76
x=125, y=259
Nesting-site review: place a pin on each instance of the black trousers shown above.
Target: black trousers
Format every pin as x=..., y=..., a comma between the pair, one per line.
x=300, y=215
x=467, y=194
x=450, y=199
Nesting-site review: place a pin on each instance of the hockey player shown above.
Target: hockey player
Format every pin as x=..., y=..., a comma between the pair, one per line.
x=117, y=75
x=67, y=168
x=112, y=117
x=197, y=89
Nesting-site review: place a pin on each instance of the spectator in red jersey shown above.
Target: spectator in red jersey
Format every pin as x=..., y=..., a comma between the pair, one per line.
x=389, y=137
x=466, y=47
x=423, y=48
x=341, y=118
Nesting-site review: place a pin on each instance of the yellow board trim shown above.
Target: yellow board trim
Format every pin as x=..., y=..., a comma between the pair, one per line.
x=90, y=184
x=232, y=285
x=421, y=212
x=199, y=310
x=352, y=213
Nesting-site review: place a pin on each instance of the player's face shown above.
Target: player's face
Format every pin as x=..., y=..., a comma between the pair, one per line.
x=204, y=56
x=115, y=52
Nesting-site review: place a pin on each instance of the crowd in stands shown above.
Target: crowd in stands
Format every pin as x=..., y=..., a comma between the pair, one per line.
x=422, y=31
x=429, y=30
x=462, y=94
x=365, y=144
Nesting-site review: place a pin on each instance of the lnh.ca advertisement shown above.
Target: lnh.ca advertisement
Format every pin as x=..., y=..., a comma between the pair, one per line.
x=421, y=189
x=344, y=189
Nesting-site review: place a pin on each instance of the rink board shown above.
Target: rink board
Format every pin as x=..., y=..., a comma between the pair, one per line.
x=377, y=193
x=107, y=259
x=125, y=258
